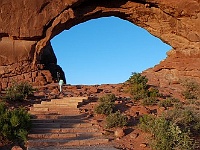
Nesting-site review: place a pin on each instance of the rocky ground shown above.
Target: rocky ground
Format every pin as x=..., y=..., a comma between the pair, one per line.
x=129, y=137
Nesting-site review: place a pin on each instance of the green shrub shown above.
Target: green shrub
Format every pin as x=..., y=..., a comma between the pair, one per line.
x=2, y=109
x=137, y=78
x=116, y=120
x=173, y=130
x=169, y=136
x=166, y=103
x=108, y=98
x=19, y=91
x=106, y=104
x=138, y=86
x=192, y=89
x=166, y=134
x=14, y=124
x=146, y=122
x=104, y=108
x=185, y=118
x=149, y=101
x=178, y=105
x=139, y=90
x=153, y=92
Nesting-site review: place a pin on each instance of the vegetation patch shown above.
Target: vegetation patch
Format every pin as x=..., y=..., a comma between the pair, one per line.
x=173, y=130
x=188, y=119
x=104, y=108
x=106, y=104
x=139, y=90
x=138, y=86
x=116, y=120
x=191, y=89
x=149, y=101
x=19, y=91
x=108, y=98
x=14, y=124
x=168, y=102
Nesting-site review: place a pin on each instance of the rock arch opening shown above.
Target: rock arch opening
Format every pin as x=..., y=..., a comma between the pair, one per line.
x=27, y=27
x=106, y=50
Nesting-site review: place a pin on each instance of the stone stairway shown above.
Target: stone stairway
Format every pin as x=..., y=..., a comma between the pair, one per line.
x=59, y=123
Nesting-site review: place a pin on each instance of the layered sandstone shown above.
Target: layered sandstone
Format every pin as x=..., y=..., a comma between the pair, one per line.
x=28, y=26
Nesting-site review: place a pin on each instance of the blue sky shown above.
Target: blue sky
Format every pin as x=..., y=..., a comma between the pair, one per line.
x=106, y=50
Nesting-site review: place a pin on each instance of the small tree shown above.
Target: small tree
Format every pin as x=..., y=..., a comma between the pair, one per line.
x=108, y=98
x=116, y=120
x=138, y=86
x=14, y=124
x=106, y=104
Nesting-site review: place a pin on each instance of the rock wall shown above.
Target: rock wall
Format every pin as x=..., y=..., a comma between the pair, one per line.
x=28, y=26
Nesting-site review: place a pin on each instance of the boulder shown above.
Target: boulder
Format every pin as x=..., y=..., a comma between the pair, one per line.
x=119, y=133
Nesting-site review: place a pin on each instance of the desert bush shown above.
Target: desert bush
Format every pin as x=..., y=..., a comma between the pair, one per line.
x=106, y=104
x=138, y=86
x=108, y=98
x=19, y=91
x=14, y=124
x=152, y=97
x=116, y=120
x=2, y=108
x=178, y=105
x=175, y=129
x=192, y=89
x=149, y=101
x=186, y=118
x=104, y=108
x=165, y=103
x=169, y=102
x=153, y=92
x=137, y=78
x=146, y=122
x=166, y=134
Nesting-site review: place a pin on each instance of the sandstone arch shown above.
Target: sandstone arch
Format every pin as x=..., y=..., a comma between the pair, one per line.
x=27, y=27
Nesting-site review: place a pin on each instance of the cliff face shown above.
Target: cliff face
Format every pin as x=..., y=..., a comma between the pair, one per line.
x=28, y=26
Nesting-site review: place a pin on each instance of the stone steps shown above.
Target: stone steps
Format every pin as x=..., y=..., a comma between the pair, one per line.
x=50, y=105
x=63, y=135
x=54, y=105
x=59, y=123
x=67, y=120
x=90, y=147
x=71, y=105
x=58, y=116
x=52, y=135
x=63, y=130
x=69, y=99
x=71, y=112
x=65, y=143
x=55, y=109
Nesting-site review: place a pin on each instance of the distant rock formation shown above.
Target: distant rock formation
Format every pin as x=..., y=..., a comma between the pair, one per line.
x=27, y=27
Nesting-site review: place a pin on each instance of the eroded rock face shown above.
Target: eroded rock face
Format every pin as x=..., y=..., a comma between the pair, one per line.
x=28, y=26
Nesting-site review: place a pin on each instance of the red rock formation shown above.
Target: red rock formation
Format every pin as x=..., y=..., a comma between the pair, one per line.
x=27, y=27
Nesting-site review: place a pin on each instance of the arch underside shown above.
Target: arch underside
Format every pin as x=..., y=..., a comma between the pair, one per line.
x=154, y=17
x=28, y=37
